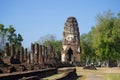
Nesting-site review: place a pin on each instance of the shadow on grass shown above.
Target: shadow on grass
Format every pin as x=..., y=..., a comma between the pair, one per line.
x=80, y=77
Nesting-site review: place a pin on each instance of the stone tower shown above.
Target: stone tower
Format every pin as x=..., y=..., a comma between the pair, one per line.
x=71, y=41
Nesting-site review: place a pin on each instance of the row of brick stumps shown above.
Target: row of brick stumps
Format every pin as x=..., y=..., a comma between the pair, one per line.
x=21, y=59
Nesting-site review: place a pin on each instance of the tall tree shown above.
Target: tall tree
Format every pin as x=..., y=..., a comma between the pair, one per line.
x=11, y=34
x=84, y=48
x=88, y=54
x=3, y=34
x=14, y=38
x=106, y=37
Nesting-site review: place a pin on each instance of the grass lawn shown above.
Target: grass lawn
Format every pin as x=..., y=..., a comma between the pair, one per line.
x=112, y=76
x=54, y=76
x=103, y=73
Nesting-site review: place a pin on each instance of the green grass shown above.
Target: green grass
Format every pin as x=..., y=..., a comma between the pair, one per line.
x=112, y=76
x=54, y=76
x=105, y=73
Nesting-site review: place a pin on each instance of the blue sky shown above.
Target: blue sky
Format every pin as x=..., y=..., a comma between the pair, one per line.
x=36, y=18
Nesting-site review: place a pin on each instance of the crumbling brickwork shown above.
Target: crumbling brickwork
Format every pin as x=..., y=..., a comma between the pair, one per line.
x=71, y=41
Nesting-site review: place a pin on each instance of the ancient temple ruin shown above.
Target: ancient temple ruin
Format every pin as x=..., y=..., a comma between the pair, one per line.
x=15, y=60
x=71, y=41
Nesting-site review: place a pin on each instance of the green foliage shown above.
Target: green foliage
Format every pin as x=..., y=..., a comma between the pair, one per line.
x=3, y=33
x=106, y=37
x=9, y=35
x=86, y=41
x=57, y=46
x=103, y=41
x=111, y=76
x=14, y=38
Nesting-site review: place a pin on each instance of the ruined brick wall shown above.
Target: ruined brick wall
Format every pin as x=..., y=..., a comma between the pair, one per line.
x=19, y=75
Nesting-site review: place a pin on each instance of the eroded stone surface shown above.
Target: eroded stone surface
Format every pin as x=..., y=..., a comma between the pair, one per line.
x=71, y=41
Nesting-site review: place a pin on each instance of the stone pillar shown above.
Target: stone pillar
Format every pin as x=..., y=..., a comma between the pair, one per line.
x=32, y=54
x=7, y=53
x=50, y=49
x=7, y=58
x=17, y=54
x=53, y=54
x=43, y=53
x=40, y=55
x=29, y=59
x=12, y=50
x=1, y=61
x=46, y=57
x=22, y=55
x=36, y=54
x=0, y=56
x=25, y=54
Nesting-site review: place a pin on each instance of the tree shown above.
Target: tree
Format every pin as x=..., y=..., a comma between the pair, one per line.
x=48, y=37
x=88, y=54
x=102, y=42
x=3, y=33
x=9, y=35
x=84, y=48
x=106, y=38
x=17, y=41
x=57, y=46
x=14, y=38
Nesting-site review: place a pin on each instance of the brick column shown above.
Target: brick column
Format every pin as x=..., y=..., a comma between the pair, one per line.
x=7, y=53
x=21, y=55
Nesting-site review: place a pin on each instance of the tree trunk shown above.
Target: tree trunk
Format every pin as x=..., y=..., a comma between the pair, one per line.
x=118, y=63
x=107, y=63
x=87, y=61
